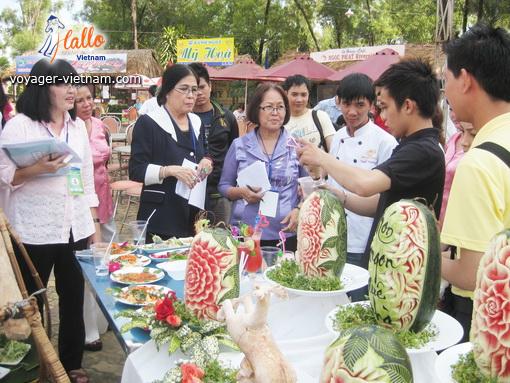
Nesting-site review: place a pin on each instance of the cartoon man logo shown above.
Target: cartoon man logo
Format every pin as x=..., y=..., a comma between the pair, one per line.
x=53, y=24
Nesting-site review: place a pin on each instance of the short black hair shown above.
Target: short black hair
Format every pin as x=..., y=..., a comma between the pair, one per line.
x=201, y=71
x=34, y=102
x=171, y=76
x=3, y=97
x=253, y=108
x=484, y=52
x=412, y=79
x=152, y=90
x=356, y=86
x=296, y=80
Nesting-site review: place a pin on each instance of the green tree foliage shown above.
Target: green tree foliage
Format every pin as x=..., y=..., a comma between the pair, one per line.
x=24, y=31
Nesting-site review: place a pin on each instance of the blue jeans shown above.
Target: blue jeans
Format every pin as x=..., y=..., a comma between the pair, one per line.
x=359, y=294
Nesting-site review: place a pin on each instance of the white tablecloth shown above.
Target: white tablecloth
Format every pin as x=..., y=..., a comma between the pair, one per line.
x=298, y=327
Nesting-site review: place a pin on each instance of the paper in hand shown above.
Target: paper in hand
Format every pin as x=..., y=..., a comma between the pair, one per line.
x=254, y=175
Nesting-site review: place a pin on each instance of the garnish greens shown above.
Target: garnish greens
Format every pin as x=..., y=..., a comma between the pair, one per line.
x=466, y=371
x=12, y=350
x=215, y=372
x=288, y=275
x=362, y=314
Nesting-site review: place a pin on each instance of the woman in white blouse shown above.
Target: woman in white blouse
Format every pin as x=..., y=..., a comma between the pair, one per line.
x=52, y=203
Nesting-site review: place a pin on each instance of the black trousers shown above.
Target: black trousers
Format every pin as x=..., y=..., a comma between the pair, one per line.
x=460, y=308
x=69, y=286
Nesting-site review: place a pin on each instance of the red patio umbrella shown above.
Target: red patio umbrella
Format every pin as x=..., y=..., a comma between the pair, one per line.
x=242, y=70
x=303, y=65
x=373, y=66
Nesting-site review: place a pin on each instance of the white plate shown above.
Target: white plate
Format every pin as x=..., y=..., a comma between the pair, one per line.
x=159, y=273
x=175, y=269
x=142, y=260
x=353, y=277
x=161, y=289
x=152, y=248
x=153, y=257
x=449, y=357
x=3, y=372
x=449, y=330
x=15, y=362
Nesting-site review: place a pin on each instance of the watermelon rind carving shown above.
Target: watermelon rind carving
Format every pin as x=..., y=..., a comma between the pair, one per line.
x=366, y=354
x=405, y=266
x=212, y=272
x=490, y=327
x=322, y=235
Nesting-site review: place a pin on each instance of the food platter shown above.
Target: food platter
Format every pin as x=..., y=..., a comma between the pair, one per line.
x=449, y=330
x=20, y=349
x=140, y=295
x=172, y=244
x=124, y=248
x=163, y=256
x=131, y=260
x=137, y=275
x=353, y=277
x=449, y=357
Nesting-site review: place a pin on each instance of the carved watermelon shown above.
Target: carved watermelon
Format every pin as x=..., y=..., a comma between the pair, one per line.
x=490, y=328
x=366, y=354
x=322, y=235
x=405, y=266
x=212, y=272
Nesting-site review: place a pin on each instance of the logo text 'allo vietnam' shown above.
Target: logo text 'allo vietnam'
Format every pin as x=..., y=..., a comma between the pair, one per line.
x=82, y=40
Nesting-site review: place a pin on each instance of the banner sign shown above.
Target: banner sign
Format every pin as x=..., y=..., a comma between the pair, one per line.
x=83, y=63
x=353, y=54
x=213, y=52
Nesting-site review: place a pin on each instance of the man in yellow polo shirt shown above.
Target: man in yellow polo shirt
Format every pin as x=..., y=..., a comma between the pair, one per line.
x=478, y=89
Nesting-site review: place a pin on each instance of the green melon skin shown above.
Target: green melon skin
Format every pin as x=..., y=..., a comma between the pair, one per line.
x=322, y=235
x=366, y=354
x=212, y=272
x=490, y=326
x=405, y=266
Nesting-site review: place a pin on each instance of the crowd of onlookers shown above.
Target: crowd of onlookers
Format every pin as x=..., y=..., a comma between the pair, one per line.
x=372, y=144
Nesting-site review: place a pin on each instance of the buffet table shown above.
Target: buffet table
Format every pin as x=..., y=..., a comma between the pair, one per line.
x=297, y=324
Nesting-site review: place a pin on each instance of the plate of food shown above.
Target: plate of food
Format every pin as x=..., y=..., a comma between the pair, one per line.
x=171, y=244
x=137, y=275
x=175, y=255
x=442, y=332
x=12, y=352
x=140, y=295
x=448, y=358
x=287, y=275
x=123, y=248
x=131, y=260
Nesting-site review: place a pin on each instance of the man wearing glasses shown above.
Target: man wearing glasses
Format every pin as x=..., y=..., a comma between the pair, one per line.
x=221, y=129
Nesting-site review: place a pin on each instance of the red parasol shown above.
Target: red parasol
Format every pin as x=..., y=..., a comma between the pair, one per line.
x=242, y=70
x=373, y=66
x=303, y=65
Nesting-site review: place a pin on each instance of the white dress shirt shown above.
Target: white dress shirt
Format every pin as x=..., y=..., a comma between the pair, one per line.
x=41, y=209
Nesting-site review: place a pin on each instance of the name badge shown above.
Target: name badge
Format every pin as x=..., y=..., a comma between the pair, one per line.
x=74, y=182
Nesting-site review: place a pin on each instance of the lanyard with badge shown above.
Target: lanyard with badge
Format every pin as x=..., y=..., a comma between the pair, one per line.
x=269, y=204
x=74, y=180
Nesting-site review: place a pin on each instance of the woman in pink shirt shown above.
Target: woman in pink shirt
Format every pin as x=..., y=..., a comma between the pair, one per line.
x=101, y=152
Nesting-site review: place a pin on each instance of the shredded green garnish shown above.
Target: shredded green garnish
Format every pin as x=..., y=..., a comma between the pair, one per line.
x=215, y=372
x=466, y=371
x=288, y=275
x=362, y=314
x=12, y=350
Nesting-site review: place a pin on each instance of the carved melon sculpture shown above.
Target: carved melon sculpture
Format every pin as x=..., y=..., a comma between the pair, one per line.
x=322, y=235
x=366, y=354
x=490, y=327
x=405, y=266
x=212, y=272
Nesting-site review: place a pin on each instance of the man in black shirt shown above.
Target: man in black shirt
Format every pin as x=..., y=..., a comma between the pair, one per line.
x=408, y=95
x=220, y=130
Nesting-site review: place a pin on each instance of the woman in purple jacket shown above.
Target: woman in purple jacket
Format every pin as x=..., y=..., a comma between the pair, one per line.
x=269, y=110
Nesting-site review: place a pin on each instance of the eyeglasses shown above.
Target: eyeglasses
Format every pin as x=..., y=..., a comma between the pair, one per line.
x=187, y=90
x=68, y=85
x=271, y=109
